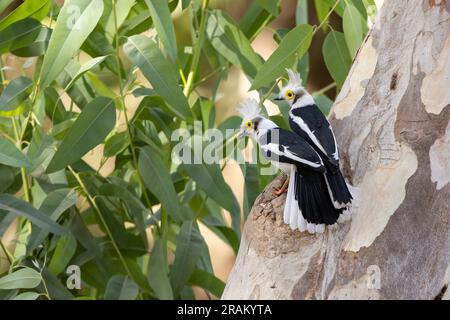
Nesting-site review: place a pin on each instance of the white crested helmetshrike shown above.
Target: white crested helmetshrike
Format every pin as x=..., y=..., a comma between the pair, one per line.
x=306, y=119
x=308, y=203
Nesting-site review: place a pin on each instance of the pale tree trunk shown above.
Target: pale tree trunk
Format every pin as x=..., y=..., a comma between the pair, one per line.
x=391, y=120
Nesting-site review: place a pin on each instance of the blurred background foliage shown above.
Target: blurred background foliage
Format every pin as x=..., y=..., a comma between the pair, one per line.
x=91, y=92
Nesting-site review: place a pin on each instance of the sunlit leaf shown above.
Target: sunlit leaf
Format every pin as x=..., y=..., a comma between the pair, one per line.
x=27, y=9
x=75, y=22
x=352, y=22
x=25, y=278
x=293, y=46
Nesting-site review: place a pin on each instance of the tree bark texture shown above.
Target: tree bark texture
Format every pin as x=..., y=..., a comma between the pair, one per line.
x=391, y=121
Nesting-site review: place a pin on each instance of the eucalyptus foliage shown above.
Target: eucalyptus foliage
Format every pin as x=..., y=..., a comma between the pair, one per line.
x=64, y=212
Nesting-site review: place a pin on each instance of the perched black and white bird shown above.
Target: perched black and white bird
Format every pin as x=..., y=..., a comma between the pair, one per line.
x=308, y=204
x=306, y=119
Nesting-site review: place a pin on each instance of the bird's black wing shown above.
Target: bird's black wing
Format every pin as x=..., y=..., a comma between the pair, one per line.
x=311, y=123
x=287, y=147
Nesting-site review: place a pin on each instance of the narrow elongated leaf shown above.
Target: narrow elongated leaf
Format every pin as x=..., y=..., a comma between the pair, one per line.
x=251, y=186
x=189, y=244
x=25, y=10
x=85, y=68
x=37, y=48
x=255, y=19
x=230, y=42
x=25, y=278
x=208, y=281
x=158, y=272
x=89, y=130
x=121, y=288
x=11, y=156
x=64, y=251
x=116, y=144
x=157, y=179
x=336, y=56
x=27, y=296
x=294, y=45
x=322, y=8
x=19, y=34
x=110, y=19
x=21, y=208
x=53, y=206
x=15, y=93
x=270, y=5
x=162, y=21
x=209, y=178
x=301, y=12
x=352, y=23
x=144, y=53
x=75, y=22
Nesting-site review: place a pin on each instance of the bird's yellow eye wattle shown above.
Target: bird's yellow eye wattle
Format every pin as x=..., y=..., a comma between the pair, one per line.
x=249, y=124
x=289, y=94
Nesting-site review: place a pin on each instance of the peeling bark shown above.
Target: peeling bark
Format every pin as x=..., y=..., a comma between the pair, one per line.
x=391, y=121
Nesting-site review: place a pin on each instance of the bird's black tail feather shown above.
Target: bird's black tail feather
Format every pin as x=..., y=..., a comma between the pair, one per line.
x=338, y=189
x=314, y=199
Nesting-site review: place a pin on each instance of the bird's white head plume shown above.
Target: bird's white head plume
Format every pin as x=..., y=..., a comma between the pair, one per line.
x=293, y=92
x=253, y=123
x=249, y=109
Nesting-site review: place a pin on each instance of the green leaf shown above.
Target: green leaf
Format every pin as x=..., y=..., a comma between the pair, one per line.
x=204, y=279
x=53, y=206
x=37, y=48
x=251, y=186
x=158, y=180
x=25, y=10
x=121, y=288
x=4, y=4
x=85, y=68
x=162, y=21
x=293, y=46
x=301, y=12
x=324, y=103
x=11, y=155
x=64, y=251
x=189, y=244
x=27, y=296
x=71, y=30
x=353, y=32
x=25, y=278
x=21, y=208
x=271, y=6
x=19, y=34
x=15, y=93
x=230, y=42
x=336, y=56
x=158, y=272
x=209, y=178
x=144, y=53
x=116, y=144
x=322, y=9
x=89, y=130
x=255, y=19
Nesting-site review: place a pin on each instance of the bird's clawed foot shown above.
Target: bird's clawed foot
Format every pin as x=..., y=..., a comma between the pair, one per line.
x=283, y=188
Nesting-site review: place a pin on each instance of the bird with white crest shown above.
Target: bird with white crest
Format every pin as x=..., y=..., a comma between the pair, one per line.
x=308, y=204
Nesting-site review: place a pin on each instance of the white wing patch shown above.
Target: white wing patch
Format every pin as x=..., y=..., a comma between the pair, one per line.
x=274, y=148
x=304, y=127
x=336, y=152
